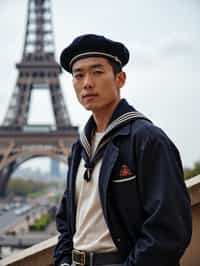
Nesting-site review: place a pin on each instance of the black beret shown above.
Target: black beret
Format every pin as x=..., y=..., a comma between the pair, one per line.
x=89, y=45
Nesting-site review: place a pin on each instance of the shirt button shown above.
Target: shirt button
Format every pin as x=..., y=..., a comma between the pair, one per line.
x=118, y=239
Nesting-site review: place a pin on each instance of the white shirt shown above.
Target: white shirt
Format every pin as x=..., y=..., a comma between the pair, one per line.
x=92, y=233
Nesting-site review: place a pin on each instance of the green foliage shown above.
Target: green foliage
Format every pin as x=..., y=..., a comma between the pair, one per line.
x=41, y=223
x=36, y=194
x=190, y=172
x=23, y=187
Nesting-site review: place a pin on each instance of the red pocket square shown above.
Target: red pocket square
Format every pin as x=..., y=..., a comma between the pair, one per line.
x=125, y=171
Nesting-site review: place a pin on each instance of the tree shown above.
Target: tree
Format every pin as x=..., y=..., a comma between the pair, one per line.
x=22, y=187
x=190, y=172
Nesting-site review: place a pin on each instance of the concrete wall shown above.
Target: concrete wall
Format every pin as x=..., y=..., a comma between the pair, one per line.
x=192, y=254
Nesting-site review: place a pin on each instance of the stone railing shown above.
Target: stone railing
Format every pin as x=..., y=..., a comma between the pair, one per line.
x=37, y=255
x=192, y=254
x=41, y=254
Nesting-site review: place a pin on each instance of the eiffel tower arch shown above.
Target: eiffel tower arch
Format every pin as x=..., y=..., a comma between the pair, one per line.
x=37, y=70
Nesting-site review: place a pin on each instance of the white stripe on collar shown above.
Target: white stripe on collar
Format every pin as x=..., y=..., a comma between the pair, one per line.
x=121, y=119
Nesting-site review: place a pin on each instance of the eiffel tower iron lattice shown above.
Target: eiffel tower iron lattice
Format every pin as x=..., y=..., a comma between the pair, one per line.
x=37, y=70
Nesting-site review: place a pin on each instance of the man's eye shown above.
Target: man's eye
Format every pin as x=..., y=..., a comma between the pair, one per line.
x=78, y=75
x=98, y=72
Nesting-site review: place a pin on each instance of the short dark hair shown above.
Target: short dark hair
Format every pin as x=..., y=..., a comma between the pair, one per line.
x=115, y=66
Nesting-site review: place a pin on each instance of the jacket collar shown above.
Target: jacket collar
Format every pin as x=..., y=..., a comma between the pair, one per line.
x=122, y=115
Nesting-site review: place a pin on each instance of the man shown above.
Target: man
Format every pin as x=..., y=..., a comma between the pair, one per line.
x=125, y=201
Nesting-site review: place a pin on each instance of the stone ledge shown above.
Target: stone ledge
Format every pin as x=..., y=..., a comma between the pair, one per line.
x=193, y=186
x=40, y=254
x=193, y=181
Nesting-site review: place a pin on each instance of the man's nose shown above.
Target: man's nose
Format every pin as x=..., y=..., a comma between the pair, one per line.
x=88, y=82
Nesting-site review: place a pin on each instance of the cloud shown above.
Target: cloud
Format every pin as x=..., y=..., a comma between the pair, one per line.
x=173, y=48
x=141, y=55
x=179, y=45
x=143, y=59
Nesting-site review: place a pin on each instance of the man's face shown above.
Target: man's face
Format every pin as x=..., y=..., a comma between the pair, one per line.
x=96, y=86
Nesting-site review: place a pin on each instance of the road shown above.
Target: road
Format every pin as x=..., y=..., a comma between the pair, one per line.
x=9, y=219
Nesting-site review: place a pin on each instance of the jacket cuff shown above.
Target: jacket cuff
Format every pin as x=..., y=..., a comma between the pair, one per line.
x=63, y=262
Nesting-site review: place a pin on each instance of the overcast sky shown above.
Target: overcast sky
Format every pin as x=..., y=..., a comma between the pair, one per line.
x=163, y=74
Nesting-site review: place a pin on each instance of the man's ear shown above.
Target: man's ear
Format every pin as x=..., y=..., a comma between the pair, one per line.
x=121, y=79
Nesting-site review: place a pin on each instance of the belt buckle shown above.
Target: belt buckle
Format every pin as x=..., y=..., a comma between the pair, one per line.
x=78, y=257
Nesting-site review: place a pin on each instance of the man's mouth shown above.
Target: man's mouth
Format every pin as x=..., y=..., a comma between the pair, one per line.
x=89, y=97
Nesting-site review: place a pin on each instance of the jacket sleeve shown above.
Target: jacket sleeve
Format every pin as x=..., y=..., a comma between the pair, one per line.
x=167, y=226
x=62, y=251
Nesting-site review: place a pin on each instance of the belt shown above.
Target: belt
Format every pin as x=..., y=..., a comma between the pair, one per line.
x=90, y=258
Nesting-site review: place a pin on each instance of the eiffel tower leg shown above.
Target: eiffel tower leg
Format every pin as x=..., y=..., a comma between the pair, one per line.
x=4, y=179
x=38, y=69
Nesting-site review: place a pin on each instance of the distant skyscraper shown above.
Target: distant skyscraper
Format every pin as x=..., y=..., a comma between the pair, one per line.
x=55, y=168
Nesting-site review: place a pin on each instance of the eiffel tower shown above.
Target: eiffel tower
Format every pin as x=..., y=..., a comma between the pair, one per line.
x=37, y=70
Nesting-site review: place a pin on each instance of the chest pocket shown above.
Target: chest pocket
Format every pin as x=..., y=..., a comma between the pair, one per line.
x=123, y=171
x=123, y=180
x=123, y=176
x=124, y=189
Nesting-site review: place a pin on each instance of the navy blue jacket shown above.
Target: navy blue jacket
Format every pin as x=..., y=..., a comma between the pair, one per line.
x=149, y=216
